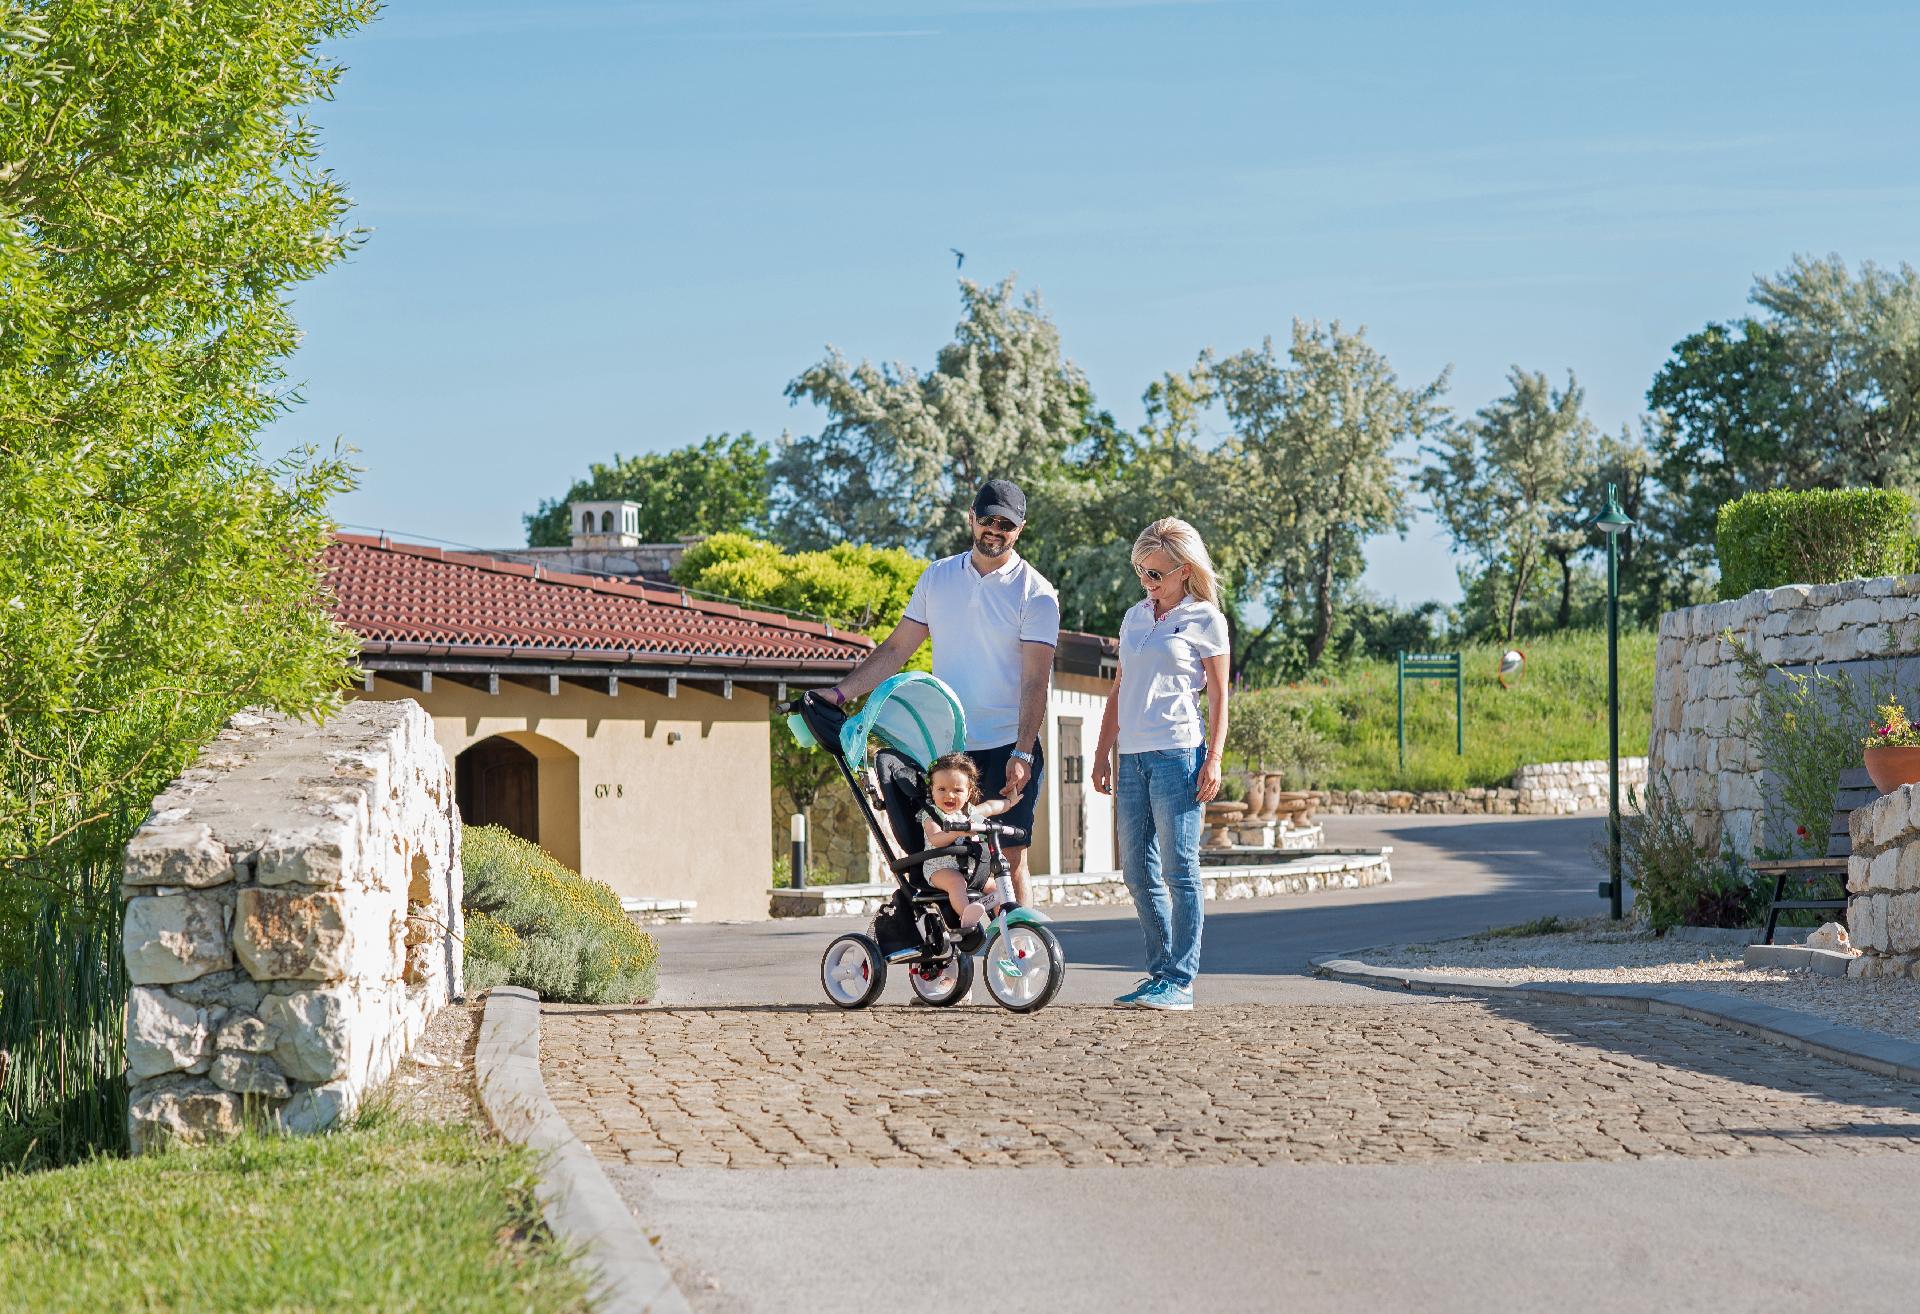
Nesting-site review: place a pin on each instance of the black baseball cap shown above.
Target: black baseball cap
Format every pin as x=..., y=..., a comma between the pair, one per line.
x=1001, y=497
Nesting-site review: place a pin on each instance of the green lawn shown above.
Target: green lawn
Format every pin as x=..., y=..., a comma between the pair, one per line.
x=389, y=1217
x=1557, y=712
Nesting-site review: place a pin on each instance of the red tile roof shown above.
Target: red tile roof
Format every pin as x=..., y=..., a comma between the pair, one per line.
x=402, y=598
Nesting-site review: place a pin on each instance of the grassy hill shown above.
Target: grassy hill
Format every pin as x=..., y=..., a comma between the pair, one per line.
x=1556, y=712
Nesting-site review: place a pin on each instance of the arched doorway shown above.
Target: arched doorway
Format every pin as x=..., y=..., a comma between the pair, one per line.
x=497, y=783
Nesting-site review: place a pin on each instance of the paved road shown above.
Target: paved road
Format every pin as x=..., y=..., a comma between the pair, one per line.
x=1291, y=1145
x=1451, y=876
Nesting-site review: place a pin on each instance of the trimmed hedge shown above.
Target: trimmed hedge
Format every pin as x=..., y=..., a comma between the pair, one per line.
x=533, y=922
x=1819, y=536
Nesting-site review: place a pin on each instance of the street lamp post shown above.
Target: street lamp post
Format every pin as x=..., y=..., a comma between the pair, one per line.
x=1612, y=522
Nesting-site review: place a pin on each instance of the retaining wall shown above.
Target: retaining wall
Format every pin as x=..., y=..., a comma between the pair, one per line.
x=1867, y=627
x=1543, y=789
x=1256, y=879
x=1883, y=885
x=292, y=921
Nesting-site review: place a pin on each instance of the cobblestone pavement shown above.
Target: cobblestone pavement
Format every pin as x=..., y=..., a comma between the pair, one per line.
x=1083, y=1086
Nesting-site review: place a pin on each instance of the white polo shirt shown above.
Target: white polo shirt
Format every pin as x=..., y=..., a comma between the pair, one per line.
x=1162, y=674
x=978, y=623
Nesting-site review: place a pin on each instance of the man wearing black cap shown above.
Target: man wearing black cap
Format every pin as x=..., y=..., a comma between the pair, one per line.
x=995, y=622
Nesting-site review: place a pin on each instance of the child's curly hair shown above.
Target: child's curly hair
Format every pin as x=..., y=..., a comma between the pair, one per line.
x=965, y=766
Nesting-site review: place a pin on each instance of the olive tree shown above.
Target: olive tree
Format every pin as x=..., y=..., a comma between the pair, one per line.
x=903, y=449
x=1503, y=482
x=1308, y=474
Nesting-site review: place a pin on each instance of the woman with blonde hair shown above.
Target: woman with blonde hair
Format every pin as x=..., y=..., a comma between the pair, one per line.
x=1173, y=645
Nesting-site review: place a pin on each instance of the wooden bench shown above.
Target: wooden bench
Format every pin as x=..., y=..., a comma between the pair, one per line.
x=1855, y=791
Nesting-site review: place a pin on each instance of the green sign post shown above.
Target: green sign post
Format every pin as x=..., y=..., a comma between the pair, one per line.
x=1430, y=666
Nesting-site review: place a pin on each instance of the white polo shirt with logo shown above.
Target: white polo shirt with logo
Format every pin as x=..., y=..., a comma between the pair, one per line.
x=978, y=623
x=1163, y=673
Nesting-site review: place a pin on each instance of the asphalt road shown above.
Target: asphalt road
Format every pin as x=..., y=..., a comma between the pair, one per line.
x=1451, y=876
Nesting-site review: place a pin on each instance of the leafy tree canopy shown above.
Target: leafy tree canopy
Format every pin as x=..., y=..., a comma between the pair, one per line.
x=1819, y=389
x=1308, y=474
x=160, y=195
x=1503, y=483
x=853, y=585
x=903, y=450
x=716, y=486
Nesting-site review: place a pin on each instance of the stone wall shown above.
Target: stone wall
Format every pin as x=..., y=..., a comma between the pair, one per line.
x=838, y=839
x=292, y=921
x=1883, y=885
x=1867, y=627
x=1544, y=789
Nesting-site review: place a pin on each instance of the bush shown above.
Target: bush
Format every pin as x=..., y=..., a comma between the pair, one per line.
x=1679, y=879
x=533, y=922
x=1268, y=731
x=1817, y=536
x=1805, y=729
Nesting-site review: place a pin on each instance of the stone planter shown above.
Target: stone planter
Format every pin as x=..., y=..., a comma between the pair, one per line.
x=1256, y=793
x=1295, y=806
x=1890, y=768
x=1271, y=813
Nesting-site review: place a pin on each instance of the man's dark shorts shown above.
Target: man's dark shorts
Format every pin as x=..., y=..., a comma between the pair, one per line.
x=993, y=778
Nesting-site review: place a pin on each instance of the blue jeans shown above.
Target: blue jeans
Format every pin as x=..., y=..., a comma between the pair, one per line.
x=1160, y=855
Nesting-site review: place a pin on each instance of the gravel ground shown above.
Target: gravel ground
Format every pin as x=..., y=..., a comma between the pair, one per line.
x=435, y=1082
x=1592, y=952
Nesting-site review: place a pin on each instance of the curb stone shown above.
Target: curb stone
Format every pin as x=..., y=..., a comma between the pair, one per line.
x=1869, y=1051
x=576, y=1199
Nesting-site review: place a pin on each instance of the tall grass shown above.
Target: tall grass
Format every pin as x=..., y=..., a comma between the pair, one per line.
x=63, y=997
x=1555, y=712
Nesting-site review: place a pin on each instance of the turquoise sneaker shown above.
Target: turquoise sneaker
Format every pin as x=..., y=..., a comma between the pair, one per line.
x=1140, y=988
x=1167, y=997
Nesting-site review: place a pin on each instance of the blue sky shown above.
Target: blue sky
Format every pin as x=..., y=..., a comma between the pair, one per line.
x=602, y=227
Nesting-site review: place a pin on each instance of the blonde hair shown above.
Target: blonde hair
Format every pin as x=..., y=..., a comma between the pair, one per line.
x=1181, y=541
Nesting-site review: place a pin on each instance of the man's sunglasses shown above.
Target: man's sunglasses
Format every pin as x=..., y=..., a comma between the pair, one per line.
x=1155, y=575
x=999, y=523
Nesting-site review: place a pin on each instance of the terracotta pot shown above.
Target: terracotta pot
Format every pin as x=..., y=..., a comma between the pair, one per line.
x=1256, y=794
x=1890, y=768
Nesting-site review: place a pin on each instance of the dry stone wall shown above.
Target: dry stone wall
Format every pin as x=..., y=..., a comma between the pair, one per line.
x=1883, y=885
x=1544, y=789
x=292, y=921
x=1867, y=628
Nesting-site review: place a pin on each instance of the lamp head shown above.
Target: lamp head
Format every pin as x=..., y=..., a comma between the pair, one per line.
x=1613, y=520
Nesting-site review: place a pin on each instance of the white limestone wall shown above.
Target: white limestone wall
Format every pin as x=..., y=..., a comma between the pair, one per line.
x=292, y=921
x=1863, y=626
x=1883, y=885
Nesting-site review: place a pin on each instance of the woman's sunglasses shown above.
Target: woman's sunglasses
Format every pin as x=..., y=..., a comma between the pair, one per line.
x=1154, y=575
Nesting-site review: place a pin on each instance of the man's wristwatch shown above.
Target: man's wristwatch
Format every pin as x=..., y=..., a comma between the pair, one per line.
x=1023, y=755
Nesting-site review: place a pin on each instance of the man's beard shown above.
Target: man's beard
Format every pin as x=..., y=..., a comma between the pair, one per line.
x=991, y=554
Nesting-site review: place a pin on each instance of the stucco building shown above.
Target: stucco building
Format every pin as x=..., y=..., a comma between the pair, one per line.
x=623, y=726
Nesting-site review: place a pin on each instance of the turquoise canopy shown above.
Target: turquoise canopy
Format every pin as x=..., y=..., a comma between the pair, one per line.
x=913, y=712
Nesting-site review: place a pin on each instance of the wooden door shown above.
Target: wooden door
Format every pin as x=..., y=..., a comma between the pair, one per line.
x=497, y=783
x=1073, y=799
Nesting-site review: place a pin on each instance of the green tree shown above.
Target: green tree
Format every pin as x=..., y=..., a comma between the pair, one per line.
x=715, y=486
x=1112, y=485
x=1308, y=474
x=1727, y=423
x=161, y=193
x=1820, y=389
x=1501, y=479
x=902, y=451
